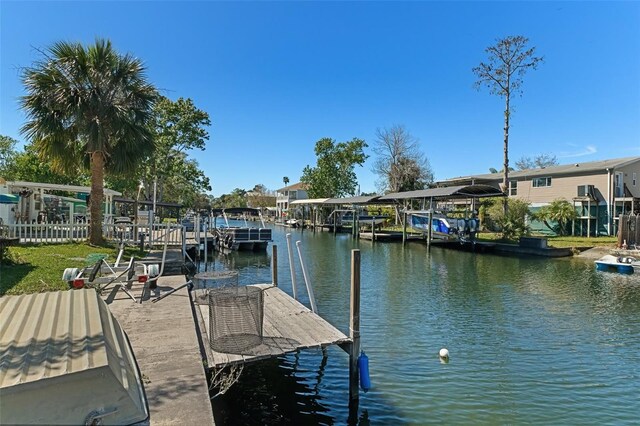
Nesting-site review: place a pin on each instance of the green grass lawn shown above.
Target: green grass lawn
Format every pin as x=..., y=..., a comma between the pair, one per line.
x=39, y=268
x=558, y=242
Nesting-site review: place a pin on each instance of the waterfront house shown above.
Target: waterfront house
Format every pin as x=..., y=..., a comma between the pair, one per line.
x=284, y=196
x=599, y=190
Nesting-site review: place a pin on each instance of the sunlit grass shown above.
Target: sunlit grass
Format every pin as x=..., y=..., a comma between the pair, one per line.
x=39, y=268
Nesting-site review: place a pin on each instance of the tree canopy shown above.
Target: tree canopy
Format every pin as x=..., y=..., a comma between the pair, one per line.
x=7, y=156
x=399, y=164
x=333, y=175
x=89, y=106
x=177, y=127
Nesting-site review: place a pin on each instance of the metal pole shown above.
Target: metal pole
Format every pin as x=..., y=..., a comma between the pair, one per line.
x=206, y=242
x=155, y=191
x=354, y=326
x=274, y=265
x=312, y=298
x=292, y=268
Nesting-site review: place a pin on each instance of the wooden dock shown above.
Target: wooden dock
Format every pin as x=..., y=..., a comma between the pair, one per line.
x=164, y=340
x=288, y=326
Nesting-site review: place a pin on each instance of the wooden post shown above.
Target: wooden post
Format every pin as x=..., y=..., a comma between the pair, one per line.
x=373, y=230
x=315, y=217
x=274, y=265
x=430, y=228
x=354, y=326
x=404, y=228
x=353, y=224
x=335, y=223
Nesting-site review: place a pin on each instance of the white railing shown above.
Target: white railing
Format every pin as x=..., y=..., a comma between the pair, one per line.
x=154, y=234
x=75, y=232
x=48, y=232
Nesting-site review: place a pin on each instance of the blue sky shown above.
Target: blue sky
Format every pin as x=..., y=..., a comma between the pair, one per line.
x=277, y=76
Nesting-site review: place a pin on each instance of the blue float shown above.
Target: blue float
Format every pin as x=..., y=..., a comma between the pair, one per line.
x=363, y=368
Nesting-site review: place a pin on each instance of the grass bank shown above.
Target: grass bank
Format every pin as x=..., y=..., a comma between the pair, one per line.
x=38, y=268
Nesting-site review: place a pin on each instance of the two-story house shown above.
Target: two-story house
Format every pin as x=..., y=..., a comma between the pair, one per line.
x=297, y=191
x=599, y=190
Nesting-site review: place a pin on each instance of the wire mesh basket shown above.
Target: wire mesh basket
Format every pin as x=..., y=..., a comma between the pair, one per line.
x=235, y=319
x=204, y=281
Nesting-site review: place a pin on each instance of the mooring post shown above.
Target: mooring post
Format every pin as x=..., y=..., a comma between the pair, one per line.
x=353, y=225
x=430, y=228
x=274, y=265
x=354, y=327
x=335, y=223
x=404, y=228
x=373, y=230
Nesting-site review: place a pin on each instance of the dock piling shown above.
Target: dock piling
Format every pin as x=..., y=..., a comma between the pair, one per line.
x=404, y=228
x=354, y=327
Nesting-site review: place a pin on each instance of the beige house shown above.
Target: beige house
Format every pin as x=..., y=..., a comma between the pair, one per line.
x=599, y=190
x=284, y=196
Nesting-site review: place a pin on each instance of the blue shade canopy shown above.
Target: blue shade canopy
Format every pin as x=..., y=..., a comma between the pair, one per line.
x=9, y=199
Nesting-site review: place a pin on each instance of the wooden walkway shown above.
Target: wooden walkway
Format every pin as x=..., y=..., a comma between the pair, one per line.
x=287, y=327
x=165, y=343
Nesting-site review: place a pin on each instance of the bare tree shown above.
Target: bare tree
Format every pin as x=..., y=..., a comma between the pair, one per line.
x=399, y=163
x=508, y=61
x=538, y=162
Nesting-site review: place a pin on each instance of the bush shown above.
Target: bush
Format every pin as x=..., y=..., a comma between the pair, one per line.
x=513, y=225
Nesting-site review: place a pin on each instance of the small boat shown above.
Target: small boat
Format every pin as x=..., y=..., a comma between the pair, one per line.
x=620, y=264
x=292, y=223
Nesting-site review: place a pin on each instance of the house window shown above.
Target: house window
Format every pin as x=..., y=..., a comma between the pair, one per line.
x=513, y=187
x=541, y=182
x=633, y=180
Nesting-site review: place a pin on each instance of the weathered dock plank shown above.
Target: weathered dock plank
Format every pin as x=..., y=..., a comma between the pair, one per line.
x=164, y=341
x=287, y=326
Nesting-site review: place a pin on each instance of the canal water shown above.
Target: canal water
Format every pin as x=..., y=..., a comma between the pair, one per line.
x=531, y=341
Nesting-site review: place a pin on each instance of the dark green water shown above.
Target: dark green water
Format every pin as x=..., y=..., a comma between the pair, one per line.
x=532, y=341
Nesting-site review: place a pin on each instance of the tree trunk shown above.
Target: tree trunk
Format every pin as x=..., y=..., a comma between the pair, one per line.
x=97, y=196
x=505, y=180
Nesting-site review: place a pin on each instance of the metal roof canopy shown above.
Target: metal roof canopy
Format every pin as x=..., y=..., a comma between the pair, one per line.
x=310, y=201
x=146, y=202
x=363, y=199
x=59, y=187
x=450, y=192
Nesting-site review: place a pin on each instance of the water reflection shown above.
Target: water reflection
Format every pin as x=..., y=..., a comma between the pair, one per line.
x=531, y=340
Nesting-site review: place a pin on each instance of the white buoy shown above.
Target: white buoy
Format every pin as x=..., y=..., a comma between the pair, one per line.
x=444, y=353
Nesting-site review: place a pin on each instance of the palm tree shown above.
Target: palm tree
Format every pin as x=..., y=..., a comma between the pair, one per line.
x=560, y=211
x=285, y=180
x=89, y=106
